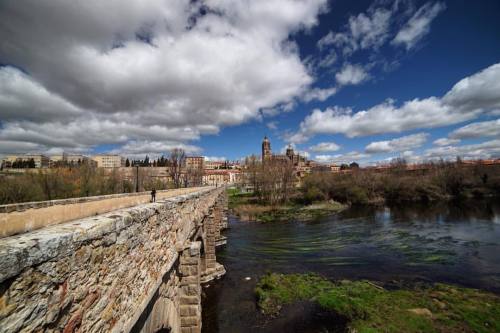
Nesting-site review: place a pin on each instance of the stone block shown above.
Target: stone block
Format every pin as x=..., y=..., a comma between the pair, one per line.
x=190, y=310
x=112, y=264
x=190, y=321
x=189, y=300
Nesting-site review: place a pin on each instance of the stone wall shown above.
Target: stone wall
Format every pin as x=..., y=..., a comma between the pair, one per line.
x=28, y=216
x=136, y=269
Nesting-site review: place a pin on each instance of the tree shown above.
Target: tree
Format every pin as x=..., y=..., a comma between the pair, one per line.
x=177, y=161
x=354, y=165
x=252, y=168
x=344, y=166
x=127, y=163
x=31, y=163
x=275, y=181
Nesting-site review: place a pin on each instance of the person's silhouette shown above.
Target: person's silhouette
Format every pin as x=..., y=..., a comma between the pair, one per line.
x=153, y=195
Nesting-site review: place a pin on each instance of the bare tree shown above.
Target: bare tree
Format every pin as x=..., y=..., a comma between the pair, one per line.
x=252, y=169
x=177, y=162
x=193, y=177
x=275, y=181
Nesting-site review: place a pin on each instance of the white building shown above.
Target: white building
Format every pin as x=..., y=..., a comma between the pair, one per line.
x=109, y=161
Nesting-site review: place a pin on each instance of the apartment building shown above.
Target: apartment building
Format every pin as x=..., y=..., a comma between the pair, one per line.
x=109, y=161
x=41, y=161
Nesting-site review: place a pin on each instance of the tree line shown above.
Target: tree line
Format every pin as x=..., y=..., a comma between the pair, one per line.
x=86, y=180
x=432, y=182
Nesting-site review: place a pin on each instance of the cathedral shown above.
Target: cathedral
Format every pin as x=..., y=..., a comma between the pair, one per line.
x=290, y=155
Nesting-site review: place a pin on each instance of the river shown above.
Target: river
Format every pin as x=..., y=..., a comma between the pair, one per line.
x=455, y=243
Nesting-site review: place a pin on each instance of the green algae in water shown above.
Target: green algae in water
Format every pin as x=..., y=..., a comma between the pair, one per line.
x=418, y=249
x=370, y=308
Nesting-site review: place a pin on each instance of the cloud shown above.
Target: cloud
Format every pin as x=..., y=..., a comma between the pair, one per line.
x=143, y=68
x=215, y=158
x=351, y=75
x=154, y=149
x=487, y=149
x=478, y=91
x=418, y=113
x=401, y=144
x=353, y=156
x=319, y=94
x=272, y=125
x=328, y=60
x=419, y=25
x=477, y=130
x=366, y=30
x=325, y=147
x=446, y=142
x=22, y=97
x=397, y=22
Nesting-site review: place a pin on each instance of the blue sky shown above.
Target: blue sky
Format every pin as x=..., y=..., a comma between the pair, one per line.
x=342, y=81
x=463, y=40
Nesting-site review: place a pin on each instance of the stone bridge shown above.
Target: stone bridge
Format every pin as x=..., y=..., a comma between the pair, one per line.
x=135, y=269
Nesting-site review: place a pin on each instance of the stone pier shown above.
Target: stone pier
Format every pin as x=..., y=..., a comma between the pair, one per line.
x=136, y=269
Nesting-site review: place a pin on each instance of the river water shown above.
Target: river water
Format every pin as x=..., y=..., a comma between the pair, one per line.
x=448, y=242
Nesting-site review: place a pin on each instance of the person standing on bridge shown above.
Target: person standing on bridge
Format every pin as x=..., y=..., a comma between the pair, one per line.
x=153, y=195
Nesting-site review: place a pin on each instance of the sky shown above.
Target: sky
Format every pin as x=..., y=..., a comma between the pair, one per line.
x=340, y=80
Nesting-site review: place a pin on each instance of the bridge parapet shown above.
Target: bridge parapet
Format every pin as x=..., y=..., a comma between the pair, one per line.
x=28, y=216
x=127, y=270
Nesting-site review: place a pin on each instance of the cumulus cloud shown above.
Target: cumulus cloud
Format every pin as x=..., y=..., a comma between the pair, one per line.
x=487, y=149
x=419, y=25
x=429, y=112
x=446, y=142
x=144, y=68
x=353, y=156
x=154, y=149
x=401, y=144
x=351, y=75
x=478, y=91
x=477, y=130
x=325, y=147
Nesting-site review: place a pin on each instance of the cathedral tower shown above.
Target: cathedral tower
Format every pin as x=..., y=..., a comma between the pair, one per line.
x=266, y=149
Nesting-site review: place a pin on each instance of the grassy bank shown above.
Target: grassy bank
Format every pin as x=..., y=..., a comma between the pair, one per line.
x=370, y=308
x=248, y=208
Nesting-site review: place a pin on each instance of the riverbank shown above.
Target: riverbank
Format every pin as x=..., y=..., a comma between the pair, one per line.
x=247, y=208
x=367, y=307
x=437, y=182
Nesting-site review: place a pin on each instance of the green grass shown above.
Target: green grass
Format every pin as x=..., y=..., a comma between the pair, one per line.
x=370, y=308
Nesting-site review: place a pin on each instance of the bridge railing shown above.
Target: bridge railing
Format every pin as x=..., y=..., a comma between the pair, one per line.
x=24, y=217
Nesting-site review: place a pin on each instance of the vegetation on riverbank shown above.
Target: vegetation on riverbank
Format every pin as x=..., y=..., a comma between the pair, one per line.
x=248, y=208
x=368, y=307
x=438, y=181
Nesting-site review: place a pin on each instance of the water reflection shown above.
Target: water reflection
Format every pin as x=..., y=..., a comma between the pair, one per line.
x=454, y=243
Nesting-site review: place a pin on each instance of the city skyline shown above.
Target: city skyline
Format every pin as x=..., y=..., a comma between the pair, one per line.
x=340, y=81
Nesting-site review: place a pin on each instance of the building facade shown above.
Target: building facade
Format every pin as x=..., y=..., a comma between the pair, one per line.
x=40, y=161
x=70, y=160
x=195, y=162
x=221, y=177
x=109, y=161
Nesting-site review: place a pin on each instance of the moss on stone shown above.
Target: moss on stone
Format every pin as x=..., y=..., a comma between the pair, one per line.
x=370, y=308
